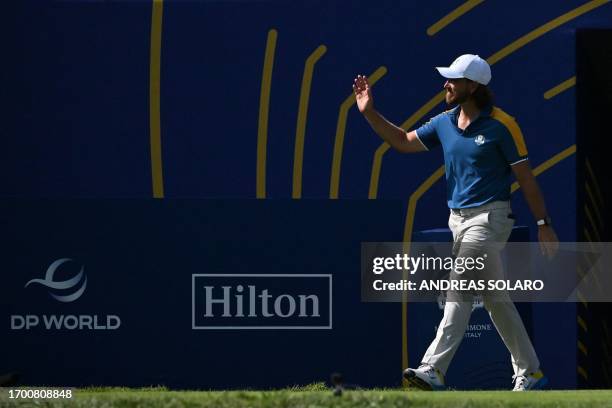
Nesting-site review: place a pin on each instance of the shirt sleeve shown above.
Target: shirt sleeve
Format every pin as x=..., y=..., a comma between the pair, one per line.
x=513, y=144
x=428, y=134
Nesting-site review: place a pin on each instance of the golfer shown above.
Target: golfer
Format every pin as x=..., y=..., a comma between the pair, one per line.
x=483, y=147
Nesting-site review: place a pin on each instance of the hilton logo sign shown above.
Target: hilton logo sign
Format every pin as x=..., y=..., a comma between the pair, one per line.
x=261, y=301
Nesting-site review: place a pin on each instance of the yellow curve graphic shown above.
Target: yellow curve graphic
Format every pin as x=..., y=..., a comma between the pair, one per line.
x=563, y=86
x=408, y=226
x=300, y=133
x=157, y=175
x=264, y=106
x=452, y=16
x=334, y=183
x=548, y=164
x=382, y=149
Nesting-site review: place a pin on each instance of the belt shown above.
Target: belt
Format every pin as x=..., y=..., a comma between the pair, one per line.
x=466, y=212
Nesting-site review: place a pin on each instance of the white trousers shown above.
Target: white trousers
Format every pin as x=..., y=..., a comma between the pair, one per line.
x=490, y=226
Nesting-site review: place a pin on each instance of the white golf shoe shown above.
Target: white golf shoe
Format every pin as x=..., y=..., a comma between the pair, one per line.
x=425, y=377
x=535, y=381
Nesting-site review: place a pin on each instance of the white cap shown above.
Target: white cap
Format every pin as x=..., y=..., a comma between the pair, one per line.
x=468, y=66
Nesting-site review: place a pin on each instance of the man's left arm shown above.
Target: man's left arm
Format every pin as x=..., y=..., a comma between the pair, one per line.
x=549, y=242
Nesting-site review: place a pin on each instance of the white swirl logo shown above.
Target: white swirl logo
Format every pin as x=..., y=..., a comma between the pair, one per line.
x=63, y=285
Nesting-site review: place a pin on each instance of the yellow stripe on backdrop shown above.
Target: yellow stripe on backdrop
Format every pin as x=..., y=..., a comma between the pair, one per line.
x=300, y=132
x=582, y=373
x=598, y=194
x=563, y=86
x=408, y=226
x=582, y=348
x=582, y=323
x=564, y=154
x=157, y=175
x=452, y=16
x=595, y=207
x=264, y=106
x=334, y=182
x=382, y=149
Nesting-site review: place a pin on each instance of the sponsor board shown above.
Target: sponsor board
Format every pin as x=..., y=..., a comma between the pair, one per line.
x=66, y=291
x=261, y=301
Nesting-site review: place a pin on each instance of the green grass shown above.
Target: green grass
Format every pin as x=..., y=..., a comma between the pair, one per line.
x=316, y=395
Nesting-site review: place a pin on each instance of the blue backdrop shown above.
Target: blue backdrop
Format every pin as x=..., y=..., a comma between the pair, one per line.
x=77, y=121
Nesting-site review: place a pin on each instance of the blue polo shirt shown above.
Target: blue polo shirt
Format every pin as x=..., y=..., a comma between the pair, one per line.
x=477, y=159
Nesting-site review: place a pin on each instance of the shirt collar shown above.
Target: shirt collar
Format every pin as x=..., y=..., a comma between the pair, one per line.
x=487, y=110
x=454, y=114
x=484, y=112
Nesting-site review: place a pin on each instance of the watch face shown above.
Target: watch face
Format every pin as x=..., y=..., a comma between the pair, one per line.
x=544, y=221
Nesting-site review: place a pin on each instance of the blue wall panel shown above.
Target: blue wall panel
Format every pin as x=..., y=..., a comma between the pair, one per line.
x=75, y=96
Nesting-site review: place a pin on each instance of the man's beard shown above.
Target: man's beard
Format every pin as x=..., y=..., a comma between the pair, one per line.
x=454, y=99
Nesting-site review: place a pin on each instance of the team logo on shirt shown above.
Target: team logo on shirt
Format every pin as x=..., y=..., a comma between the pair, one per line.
x=479, y=140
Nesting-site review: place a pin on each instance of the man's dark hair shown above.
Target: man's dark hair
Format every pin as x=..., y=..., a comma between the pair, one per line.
x=483, y=96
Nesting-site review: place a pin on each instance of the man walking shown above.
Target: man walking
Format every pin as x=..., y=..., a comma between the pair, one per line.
x=483, y=146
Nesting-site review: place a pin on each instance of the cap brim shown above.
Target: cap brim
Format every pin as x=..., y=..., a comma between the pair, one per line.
x=448, y=73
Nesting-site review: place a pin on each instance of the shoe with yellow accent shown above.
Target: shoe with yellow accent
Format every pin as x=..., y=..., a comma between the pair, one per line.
x=425, y=377
x=535, y=381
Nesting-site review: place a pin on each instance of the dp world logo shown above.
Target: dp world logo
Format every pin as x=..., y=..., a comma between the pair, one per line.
x=70, y=289
x=67, y=290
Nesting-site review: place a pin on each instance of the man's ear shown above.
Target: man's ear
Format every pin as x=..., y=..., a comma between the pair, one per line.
x=473, y=86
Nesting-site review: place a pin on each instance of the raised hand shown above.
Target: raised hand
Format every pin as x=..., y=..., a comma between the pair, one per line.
x=363, y=94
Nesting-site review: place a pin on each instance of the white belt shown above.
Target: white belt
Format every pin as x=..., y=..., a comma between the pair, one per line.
x=466, y=212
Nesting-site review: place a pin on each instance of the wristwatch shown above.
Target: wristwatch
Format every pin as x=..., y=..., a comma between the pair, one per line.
x=544, y=221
